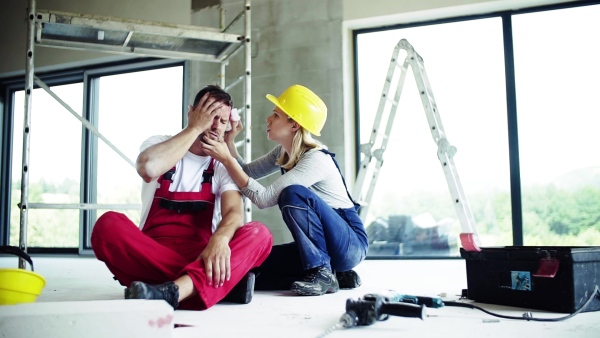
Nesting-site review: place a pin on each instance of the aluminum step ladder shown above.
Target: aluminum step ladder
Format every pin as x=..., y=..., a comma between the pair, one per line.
x=372, y=160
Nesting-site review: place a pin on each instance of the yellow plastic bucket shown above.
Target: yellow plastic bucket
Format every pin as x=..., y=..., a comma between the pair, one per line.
x=19, y=285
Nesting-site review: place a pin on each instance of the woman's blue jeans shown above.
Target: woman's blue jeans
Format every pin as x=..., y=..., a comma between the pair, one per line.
x=323, y=236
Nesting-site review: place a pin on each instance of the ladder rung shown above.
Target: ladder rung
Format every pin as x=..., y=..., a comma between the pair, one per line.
x=383, y=135
x=401, y=66
x=387, y=98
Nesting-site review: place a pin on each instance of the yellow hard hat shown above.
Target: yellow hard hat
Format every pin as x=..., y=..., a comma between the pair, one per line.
x=303, y=106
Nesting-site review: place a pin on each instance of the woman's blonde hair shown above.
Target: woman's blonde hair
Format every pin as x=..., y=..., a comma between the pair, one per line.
x=302, y=142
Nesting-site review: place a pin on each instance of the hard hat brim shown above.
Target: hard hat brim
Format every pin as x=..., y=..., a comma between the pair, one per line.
x=276, y=102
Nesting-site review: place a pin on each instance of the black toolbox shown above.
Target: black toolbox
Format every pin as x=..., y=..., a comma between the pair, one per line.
x=551, y=278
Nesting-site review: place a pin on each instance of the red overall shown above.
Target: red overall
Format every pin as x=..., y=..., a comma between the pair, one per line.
x=171, y=241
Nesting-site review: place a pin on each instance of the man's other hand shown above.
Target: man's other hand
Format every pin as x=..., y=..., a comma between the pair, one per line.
x=217, y=260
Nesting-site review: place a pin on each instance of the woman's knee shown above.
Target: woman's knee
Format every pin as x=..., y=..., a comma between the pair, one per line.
x=292, y=192
x=349, y=259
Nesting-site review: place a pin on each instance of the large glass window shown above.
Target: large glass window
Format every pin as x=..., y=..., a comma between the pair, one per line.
x=557, y=82
x=54, y=167
x=411, y=212
x=126, y=108
x=133, y=107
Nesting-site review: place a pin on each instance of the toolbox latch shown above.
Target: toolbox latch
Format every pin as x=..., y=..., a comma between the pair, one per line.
x=548, y=266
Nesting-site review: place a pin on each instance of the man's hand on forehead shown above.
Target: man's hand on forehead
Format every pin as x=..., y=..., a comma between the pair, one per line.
x=223, y=112
x=208, y=109
x=210, y=102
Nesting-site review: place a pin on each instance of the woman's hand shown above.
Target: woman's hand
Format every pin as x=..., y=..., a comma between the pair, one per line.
x=236, y=127
x=216, y=149
x=229, y=137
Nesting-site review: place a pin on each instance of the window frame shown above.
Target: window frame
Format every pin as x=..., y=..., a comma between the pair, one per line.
x=89, y=76
x=511, y=101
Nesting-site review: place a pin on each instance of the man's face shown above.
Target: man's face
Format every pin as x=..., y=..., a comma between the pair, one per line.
x=219, y=124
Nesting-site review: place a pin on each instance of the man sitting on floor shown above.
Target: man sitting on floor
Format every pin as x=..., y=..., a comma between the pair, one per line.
x=193, y=247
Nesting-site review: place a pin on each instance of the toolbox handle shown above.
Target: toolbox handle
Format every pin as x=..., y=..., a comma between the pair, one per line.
x=548, y=267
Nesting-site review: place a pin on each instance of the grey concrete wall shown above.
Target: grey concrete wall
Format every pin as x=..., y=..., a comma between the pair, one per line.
x=293, y=42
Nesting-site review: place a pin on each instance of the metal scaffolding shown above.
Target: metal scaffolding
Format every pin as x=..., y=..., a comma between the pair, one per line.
x=131, y=37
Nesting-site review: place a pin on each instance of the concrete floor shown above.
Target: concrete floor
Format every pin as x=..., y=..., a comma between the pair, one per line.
x=84, y=281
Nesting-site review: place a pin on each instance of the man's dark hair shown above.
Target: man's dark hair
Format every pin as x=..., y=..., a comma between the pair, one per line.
x=216, y=92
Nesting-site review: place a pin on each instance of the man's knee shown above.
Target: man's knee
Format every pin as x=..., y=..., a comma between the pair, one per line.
x=106, y=224
x=258, y=231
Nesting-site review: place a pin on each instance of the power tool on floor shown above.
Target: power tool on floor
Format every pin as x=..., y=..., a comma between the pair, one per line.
x=376, y=307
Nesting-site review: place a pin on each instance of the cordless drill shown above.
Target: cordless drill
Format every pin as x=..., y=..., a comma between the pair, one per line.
x=374, y=307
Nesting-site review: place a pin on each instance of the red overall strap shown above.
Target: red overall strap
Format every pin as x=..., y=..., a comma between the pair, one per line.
x=169, y=222
x=166, y=179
